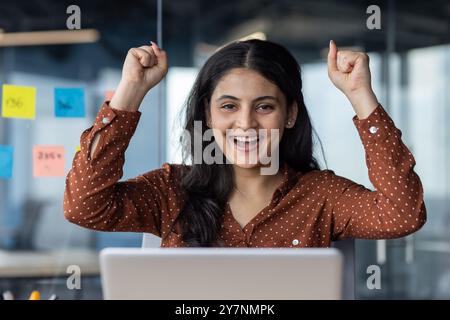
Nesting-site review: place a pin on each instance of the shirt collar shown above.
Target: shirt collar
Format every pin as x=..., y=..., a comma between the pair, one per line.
x=290, y=178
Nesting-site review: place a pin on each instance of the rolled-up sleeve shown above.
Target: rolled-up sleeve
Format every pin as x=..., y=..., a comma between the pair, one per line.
x=94, y=198
x=396, y=207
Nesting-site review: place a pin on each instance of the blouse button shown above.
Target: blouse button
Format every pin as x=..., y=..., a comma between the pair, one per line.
x=373, y=129
x=105, y=120
x=295, y=242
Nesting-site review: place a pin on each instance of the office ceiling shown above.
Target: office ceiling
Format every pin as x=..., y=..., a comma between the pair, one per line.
x=303, y=25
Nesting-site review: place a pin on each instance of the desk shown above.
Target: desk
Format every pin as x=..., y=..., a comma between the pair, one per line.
x=24, y=271
x=48, y=263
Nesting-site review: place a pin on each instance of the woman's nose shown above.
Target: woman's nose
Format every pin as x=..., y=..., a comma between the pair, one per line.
x=246, y=120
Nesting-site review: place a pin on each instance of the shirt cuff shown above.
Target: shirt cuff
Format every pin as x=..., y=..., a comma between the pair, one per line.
x=376, y=127
x=116, y=127
x=108, y=116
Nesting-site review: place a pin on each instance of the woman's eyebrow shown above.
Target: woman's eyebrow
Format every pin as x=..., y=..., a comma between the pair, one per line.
x=225, y=96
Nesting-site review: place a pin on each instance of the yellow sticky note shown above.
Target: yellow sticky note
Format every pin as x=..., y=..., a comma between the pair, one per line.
x=77, y=148
x=18, y=102
x=48, y=161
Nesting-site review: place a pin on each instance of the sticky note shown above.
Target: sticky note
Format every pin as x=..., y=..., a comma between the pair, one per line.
x=6, y=161
x=77, y=148
x=69, y=102
x=108, y=95
x=18, y=102
x=48, y=161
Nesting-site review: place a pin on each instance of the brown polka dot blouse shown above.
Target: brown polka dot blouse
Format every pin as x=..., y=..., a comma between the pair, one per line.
x=306, y=210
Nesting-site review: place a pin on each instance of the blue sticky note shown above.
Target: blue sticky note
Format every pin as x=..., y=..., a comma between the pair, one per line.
x=69, y=102
x=6, y=161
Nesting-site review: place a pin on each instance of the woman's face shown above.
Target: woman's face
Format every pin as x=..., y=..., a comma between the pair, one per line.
x=243, y=103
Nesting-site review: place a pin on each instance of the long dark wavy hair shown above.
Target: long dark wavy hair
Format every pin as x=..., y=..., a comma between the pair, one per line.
x=208, y=186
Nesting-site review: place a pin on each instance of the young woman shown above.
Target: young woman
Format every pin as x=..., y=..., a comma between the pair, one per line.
x=245, y=87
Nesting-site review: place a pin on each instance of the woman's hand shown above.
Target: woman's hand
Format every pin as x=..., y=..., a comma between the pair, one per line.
x=144, y=68
x=349, y=71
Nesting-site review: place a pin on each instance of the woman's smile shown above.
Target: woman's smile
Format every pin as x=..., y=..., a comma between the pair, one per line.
x=245, y=144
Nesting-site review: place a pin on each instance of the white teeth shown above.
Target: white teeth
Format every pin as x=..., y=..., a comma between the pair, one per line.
x=246, y=139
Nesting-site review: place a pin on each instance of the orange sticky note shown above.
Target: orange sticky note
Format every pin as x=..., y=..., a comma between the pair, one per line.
x=108, y=95
x=48, y=161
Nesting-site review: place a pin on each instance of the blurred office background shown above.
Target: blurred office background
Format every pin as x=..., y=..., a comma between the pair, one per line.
x=410, y=64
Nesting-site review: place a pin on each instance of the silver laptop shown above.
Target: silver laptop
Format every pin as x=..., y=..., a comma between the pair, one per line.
x=221, y=273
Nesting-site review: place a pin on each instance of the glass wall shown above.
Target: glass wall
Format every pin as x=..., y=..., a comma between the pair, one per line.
x=417, y=267
x=37, y=245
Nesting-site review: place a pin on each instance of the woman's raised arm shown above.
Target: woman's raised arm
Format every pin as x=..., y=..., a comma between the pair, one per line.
x=94, y=198
x=396, y=208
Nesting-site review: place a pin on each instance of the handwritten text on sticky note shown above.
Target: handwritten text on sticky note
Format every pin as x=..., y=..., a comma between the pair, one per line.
x=48, y=161
x=18, y=102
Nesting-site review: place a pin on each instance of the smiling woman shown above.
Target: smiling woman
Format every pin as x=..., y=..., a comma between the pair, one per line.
x=244, y=122
x=245, y=88
x=242, y=89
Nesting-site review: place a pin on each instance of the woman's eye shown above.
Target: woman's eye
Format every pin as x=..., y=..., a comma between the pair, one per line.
x=265, y=107
x=227, y=106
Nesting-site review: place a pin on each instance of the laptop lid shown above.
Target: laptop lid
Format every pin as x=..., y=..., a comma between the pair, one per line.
x=221, y=273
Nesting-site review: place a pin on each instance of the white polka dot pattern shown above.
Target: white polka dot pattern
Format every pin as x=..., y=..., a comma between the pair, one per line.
x=307, y=209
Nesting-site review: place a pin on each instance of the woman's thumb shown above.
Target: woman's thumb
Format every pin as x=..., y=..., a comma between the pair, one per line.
x=160, y=54
x=332, y=57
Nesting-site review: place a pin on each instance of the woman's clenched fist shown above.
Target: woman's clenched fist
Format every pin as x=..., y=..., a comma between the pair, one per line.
x=349, y=71
x=145, y=66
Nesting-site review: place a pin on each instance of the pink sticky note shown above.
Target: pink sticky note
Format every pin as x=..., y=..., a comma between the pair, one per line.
x=108, y=95
x=48, y=161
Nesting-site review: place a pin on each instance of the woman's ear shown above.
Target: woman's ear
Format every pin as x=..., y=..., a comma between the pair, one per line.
x=292, y=115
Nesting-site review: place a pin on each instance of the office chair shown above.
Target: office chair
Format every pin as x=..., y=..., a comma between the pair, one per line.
x=23, y=237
